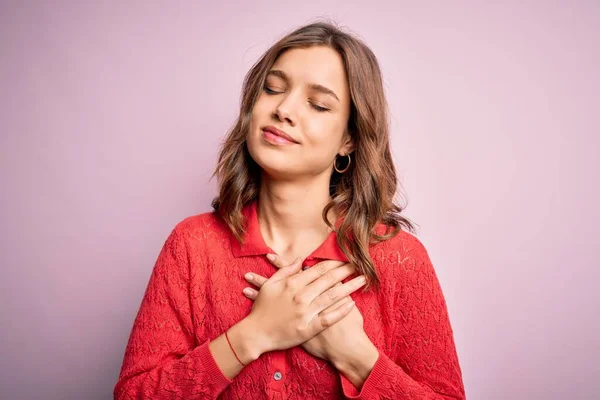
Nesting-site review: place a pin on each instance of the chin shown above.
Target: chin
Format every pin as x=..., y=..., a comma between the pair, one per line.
x=272, y=162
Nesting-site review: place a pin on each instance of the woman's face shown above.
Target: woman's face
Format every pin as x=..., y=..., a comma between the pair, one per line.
x=306, y=96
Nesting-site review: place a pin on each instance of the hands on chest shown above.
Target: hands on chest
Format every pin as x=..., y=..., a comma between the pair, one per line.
x=311, y=308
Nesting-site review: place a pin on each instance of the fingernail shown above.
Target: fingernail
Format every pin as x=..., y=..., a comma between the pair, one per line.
x=351, y=304
x=271, y=257
x=362, y=280
x=248, y=276
x=247, y=291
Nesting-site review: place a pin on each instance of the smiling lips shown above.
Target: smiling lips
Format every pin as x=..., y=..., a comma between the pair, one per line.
x=277, y=137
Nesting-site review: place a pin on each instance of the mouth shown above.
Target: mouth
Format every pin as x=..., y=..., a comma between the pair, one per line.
x=277, y=136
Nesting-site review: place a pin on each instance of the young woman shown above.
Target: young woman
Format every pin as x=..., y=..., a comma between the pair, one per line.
x=305, y=281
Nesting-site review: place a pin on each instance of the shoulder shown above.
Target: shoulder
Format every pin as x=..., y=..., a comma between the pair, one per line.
x=195, y=231
x=206, y=222
x=404, y=266
x=194, y=240
x=403, y=254
x=404, y=244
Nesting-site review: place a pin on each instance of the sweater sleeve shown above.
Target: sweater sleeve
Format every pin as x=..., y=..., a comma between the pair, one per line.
x=161, y=359
x=426, y=365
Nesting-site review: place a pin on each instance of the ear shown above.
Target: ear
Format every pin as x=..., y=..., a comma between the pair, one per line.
x=347, y=144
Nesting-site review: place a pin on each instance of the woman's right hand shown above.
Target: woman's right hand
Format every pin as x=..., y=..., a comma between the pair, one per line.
x=286, y=310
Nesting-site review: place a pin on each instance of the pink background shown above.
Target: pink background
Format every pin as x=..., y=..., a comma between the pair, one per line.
x=112, y=114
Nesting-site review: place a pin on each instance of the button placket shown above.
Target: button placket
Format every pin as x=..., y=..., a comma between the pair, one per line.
x=278, y=371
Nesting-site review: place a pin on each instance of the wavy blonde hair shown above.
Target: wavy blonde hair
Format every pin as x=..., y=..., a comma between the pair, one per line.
x=364, y=195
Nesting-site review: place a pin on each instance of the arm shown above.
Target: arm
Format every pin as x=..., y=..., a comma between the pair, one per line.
x=161, y=359
x=427, y=367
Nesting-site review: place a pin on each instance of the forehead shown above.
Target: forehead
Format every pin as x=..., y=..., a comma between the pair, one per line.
x=318, y=64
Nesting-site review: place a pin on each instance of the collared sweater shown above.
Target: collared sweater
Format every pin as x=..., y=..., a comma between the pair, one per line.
x=194, y=295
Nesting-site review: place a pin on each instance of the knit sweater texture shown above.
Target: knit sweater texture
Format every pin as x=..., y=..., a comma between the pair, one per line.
x=194, y=295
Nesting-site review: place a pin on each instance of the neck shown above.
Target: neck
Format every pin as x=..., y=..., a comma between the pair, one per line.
x=290, y=215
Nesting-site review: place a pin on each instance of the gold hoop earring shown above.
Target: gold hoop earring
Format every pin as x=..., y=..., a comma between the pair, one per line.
x=347, y=166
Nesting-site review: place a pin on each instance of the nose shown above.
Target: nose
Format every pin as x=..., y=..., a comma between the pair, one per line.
x=283, y=113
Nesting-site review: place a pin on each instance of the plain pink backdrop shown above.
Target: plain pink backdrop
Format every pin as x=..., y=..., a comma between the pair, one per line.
x=111, y=118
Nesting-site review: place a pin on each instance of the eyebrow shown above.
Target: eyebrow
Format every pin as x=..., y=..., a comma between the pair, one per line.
x=314, y=86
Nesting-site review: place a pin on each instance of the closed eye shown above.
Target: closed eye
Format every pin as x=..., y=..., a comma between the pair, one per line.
x=319, y=108
x=270, y=91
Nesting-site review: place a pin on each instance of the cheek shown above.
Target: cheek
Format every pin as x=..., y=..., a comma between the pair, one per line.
x=260, y=115
x=256, y=120
x=324, y=135
x=262, y=107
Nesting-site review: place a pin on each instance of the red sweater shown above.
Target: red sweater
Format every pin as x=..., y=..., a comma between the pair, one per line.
x=195, y=294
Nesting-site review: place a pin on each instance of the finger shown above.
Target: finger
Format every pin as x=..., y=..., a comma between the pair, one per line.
x=277, y=261
x=337, y=305
x=334, y=294
x=324, y=321
x=255, y=279
x=250, y=293
x=316, y=271
x=286, y=271
x=334, y=306
x=332, y=277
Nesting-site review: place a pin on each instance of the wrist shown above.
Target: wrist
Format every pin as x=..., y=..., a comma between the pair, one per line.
x=357, y=362
x=248, y=342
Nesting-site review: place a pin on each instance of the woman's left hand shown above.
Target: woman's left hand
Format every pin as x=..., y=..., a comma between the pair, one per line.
x=345, y=344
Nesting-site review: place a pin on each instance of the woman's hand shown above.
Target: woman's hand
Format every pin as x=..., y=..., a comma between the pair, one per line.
x=289, y=309
x=347, y=333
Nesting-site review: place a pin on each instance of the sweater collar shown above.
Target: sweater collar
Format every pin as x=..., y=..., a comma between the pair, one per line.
x=255, y=245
